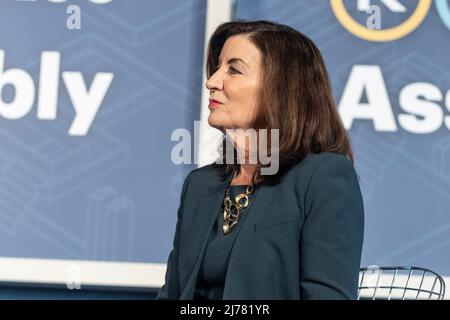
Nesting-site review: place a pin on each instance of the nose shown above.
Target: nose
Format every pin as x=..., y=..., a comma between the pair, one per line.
x=215, y=82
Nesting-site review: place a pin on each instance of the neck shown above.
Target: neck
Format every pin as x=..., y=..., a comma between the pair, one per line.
x=245, y=175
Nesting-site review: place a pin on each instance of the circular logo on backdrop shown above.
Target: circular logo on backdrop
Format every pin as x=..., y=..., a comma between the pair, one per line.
x=444, y=12
x=394, y=33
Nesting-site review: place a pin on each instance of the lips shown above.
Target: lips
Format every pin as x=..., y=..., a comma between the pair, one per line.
x=213, y=103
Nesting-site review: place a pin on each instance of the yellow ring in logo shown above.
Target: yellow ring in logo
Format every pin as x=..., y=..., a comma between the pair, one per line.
x=390, y=34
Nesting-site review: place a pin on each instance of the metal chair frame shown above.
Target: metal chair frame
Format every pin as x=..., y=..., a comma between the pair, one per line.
x=435, y=291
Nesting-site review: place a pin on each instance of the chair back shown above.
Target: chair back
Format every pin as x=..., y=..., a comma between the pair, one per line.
x=400, y=283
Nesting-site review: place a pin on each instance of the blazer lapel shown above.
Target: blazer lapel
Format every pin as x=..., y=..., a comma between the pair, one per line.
x=238, y=270
x=204, y=222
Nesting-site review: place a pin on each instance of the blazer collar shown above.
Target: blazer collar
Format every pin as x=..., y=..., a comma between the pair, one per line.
x=220, y=185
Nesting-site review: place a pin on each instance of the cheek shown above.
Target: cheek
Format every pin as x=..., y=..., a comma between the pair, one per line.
x=248, y=106
x=243, y=98
x=242, y=102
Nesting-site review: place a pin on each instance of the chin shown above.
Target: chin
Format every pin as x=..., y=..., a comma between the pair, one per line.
x=215, y=122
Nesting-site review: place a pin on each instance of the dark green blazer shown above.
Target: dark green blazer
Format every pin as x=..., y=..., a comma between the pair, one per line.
x=302, y=239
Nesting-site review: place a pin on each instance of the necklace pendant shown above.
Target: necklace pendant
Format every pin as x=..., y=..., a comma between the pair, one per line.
x=228, y=225
x=232, y=209
x=226, y=229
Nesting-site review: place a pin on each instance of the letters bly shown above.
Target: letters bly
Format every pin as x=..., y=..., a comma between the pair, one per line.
x=86, y=101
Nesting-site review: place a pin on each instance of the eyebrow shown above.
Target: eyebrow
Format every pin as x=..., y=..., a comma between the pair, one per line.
x=233, y=60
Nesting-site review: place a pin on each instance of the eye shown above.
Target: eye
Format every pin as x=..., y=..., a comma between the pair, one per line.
x=233, y=71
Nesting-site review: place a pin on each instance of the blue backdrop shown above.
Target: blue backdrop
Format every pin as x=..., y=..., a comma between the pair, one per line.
x=113, y=193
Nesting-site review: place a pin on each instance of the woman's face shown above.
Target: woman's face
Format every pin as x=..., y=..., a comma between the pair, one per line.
x=235, y=85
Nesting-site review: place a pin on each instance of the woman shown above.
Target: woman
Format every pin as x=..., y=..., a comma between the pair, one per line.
x=296, y=234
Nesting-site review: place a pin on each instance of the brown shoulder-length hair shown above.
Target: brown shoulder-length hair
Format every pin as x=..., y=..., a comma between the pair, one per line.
x=295, y=94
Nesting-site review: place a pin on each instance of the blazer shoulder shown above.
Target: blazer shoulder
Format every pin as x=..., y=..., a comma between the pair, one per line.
x=206, y=176
x=320, y=166
x=205, y=170
x=323, y=160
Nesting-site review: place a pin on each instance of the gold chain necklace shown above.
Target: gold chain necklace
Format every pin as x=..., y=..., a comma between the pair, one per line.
x=232, y=209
